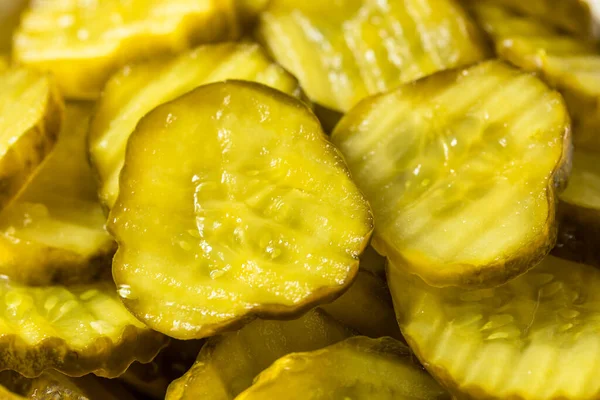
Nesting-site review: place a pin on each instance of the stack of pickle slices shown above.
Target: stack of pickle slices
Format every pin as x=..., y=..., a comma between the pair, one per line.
x=300, y=200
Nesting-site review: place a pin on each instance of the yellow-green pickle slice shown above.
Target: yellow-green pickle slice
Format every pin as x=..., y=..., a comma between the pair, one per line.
x=233, y=204
x=581, y=17
x=357, y=368
x=566, y=63
x=462, y=170
x=135, y=90
x=53, y=232
x=72, y=329
x=535, y=338
x=83, y=42
x=30, y=119
x=579, y=211
x=343, y=51
x=227, y=364
x=52, y=385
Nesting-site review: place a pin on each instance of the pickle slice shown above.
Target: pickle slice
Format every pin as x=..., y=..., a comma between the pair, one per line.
x=579, y=211
x=30, y=118
x=54, y=385
x=233, y=204
x=83, y=42
x=137, y=89
x=73, y=329
x=54, y=231
x=227, y=364
x=343, y=51
x=461, y=169
x=357, y=368
x=581, y=17
x=534, y=338
x=366, y=307
x=566, y=63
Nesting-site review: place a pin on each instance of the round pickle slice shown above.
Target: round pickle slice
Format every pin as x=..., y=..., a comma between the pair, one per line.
x=30, y=119
x=233, y=204
x=566, y=63
x=581, y=17
x=579, y=211
x=227, y=364
x=53, y=232
x=461, y=169
x=535, y=338
x=343, y=51
x=357, y=368
x=83, y=42
x=137, y=89
x=72, y=329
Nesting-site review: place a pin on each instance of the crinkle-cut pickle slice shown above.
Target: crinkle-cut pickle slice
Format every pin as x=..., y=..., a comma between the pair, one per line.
x=54, y=385
x=567, y=63
x=357, y=368
x=135, y=90
x=233, y=204
x=461, y=169
x=366, y=307
x=579, y=211
x=581, y=17
x=72, y=329
x=343, y=51
x=535, y=338
x=227, y=364
x=31, y=111
x=53, y=232
x=83, y=42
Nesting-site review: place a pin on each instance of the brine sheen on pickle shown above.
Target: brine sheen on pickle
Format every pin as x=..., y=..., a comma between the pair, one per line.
x=228, y=364
x=358, y=368
x=83, y=42
x=135, y=90
x=535, y=338
x=567, y=63
x=462, y=170
x=53, y=232
x=579, y=211
x=233, y=204
x=343, y=51
x=581, y=17
x=72, y=329
x=30, y=118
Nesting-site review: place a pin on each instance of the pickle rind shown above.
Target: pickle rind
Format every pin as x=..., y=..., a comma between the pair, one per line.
x=137, y=89
x=75, y=330
x=357, y=368
x=23, y=152
x=227, y=364
x=53, y=231
x=144, y=240
x=533, y=338
x=95, y=39
x=342, y=52
x=403, y=160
